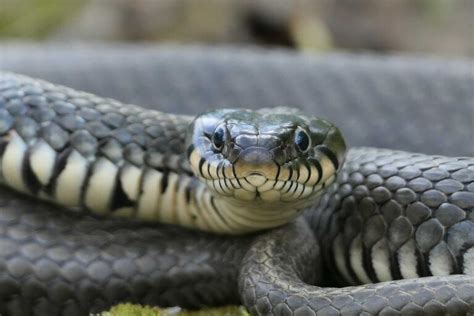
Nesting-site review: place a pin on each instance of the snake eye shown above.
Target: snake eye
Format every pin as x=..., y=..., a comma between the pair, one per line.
x=302, y=140
x=218, y=138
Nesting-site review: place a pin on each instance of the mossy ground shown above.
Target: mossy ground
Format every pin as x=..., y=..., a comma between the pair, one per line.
x=138, y=310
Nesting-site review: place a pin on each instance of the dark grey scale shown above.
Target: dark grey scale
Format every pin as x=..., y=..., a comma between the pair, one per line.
x=6, y=121
x=83, y=100
x=409, y=173
x=135, y=128
x=8, y=84
x=26, y=127
x=70, y=122
x=387, y=171
x=435, y=174
x=177, y=145
x=405, y=196
x=140, y=139
x=134, y=154
x=111, y=149
x=449, y=186
x=89, y=114
x=347, y=205
x=418, y=212
x=390, y=210
x=98, y=129
x=63, y=107
x=105, y=108
x=425, y=165
x=84, y=143
x=449, y=214
x=369, y=170
x=463, y=199
x=433, y=198
x=190, y=150
x=33, y=90
x=470, y=187
x=381, y=194
x=113, y=119
x=122, y=135
x=464, y=176
x=55, y=136
x=356, y=178
x=134, y=119
x=16, y=107
x=367, y=205
x=453, y=166
x=128, y=110
x=154, y=131
x=184, y=166
x=373, y=180
x=42, y=114
x=420, y=184
x=158, y=143
x=12, y=94
x=35, y=101
x=55, y=96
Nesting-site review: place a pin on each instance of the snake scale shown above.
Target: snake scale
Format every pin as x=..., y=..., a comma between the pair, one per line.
x=389, y=214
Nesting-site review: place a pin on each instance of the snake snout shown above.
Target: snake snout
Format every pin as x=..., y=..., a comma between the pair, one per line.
x=256, y=163
x=256, y=156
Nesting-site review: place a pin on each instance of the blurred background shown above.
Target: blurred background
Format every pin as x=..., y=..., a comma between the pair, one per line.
x=414, y=26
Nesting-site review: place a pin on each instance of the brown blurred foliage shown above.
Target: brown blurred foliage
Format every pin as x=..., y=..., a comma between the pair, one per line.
x=442, y=27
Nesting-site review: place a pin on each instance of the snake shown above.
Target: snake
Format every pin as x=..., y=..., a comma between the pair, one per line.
x=105, y=202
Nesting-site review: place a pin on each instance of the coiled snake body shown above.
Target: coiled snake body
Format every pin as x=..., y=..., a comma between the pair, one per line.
x=386, y=214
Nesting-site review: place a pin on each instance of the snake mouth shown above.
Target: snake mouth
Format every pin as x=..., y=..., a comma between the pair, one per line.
x=263, y=189
x=296, y=183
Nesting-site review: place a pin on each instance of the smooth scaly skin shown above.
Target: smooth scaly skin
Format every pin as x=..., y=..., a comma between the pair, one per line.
x=396, y=208
x=458, y=300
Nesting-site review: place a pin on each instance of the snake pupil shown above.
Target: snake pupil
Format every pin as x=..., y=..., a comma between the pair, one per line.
x=302, y=141
x=218, y=138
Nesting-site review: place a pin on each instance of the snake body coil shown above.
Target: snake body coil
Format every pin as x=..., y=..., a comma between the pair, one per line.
x=387, y=215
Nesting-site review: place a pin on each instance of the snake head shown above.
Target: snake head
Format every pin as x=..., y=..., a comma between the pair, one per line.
x=265, y=159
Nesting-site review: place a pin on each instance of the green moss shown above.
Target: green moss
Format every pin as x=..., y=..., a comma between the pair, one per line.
x=138, y=310
x=35, y=18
